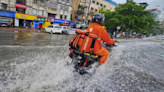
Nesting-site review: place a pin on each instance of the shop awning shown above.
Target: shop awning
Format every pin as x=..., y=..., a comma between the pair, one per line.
x=40, y=22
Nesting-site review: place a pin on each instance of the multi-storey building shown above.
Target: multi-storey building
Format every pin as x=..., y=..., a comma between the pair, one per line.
x=64, y=9
x=38, y=10
x=92, y=6
x=95, y=4
x=74, y=9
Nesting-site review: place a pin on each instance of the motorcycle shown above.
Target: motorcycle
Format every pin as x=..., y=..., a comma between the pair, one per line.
x=83, y=61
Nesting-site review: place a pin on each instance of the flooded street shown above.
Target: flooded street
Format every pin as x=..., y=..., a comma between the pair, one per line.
x=36, y=62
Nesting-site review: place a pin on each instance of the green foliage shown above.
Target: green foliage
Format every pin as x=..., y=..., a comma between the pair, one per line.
x=131, y=17
x=102, y=10
x=80, y=12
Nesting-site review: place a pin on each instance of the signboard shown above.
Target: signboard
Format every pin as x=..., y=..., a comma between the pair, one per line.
x=43, y=19
x=52, y=5
x=20, y=6
x=25, y=16
x=61, y=21
x=7, y=14
x=118, y=27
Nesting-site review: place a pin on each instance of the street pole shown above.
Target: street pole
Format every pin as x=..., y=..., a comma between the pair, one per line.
x=76, y=19
x=87, y=11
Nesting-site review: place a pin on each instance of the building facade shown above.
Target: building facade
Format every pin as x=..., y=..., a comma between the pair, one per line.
x=74, y=9
x=95, y=4
x=60, y=9
x=88, y=7
x=64, y=9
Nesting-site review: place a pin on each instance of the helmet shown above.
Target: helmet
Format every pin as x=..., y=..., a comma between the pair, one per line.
x=98, y=17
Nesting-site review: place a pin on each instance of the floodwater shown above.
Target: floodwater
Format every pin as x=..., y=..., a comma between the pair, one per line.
x=37, y=62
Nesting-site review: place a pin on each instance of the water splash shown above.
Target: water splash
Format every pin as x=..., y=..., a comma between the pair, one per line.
x=135, y=65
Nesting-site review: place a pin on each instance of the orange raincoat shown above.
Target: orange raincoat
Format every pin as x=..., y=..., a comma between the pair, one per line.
x=102, y=35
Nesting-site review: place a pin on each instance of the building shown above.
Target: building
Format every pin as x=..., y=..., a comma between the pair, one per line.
x=155, y=13
x=38, y=11
x=88, y=7
x=64, y=9
x=74, y=9
x=95, y=4
x=156, y=4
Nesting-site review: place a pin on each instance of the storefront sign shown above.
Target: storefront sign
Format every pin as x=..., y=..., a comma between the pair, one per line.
x=7, y=14
x=20, y=6
x=43, y=19
x=25, y=16
x=53, y=6
x=61, y=21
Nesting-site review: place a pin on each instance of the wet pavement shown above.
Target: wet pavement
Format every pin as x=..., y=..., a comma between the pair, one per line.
x=36, y=62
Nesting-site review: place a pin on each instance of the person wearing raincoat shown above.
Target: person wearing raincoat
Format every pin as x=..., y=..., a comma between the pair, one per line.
x=95, y=27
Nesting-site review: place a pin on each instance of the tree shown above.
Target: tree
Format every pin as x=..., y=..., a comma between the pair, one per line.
x=131, y=17
x=102, y=10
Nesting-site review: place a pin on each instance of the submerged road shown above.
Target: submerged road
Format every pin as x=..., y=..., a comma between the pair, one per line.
x=36, y=62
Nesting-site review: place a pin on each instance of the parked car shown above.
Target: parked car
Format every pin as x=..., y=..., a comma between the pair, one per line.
x=56, y=29
x=159, y=37
x=4, y=22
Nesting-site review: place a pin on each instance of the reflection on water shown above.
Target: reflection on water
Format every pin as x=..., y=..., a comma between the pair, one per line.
x=32, y=38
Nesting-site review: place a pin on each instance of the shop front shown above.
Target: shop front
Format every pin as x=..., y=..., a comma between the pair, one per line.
x=24, y=20
x=60, y=21
x=8, y=16
x=41, y=22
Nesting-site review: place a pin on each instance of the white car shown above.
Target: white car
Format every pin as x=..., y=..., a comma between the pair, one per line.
x=55, y=29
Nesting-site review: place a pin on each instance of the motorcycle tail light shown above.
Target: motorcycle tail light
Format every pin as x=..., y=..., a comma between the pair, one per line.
x=71, y=50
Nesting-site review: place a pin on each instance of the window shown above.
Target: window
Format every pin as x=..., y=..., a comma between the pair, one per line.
x=4, y=6
x=67, y=1
x=93, y=1
x=97, y=3
x=95, y=9
x=61, y=16
x=61, y=8
x=21, y=1
x=64, y=27
x=57, y=27
x=63, y=0
x=40, y=12
x=50, y=26
x=65, y=8
x=101, y=4
x=4, y=19
x=41, y=2
x=34, y=11
x=65, y=17
x=51, y=15
x=104, y=6
x=92, y=8
x=35, y=1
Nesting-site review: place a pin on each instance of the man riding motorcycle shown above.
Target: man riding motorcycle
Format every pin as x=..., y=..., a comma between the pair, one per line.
x=95, y=27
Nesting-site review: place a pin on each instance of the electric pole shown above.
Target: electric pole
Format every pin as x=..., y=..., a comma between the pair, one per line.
x=87, y=11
